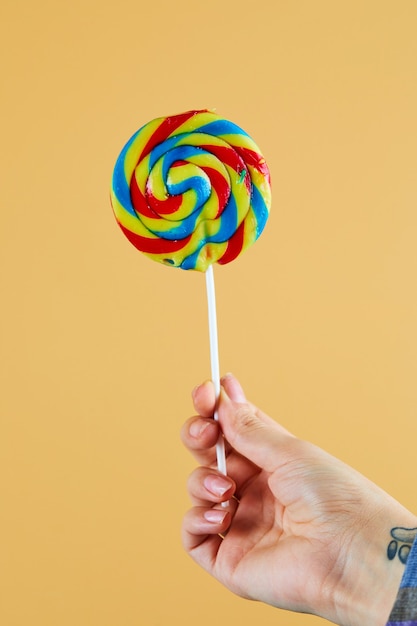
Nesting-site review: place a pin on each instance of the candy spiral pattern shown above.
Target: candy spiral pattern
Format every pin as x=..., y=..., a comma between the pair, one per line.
x=191, y=190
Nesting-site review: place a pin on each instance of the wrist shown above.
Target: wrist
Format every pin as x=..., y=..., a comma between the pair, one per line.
x=374, y=565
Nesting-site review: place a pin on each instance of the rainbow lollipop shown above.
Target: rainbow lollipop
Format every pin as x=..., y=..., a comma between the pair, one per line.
x=191, y=190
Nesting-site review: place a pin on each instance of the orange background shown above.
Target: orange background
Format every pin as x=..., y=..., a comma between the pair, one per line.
x=100, y=347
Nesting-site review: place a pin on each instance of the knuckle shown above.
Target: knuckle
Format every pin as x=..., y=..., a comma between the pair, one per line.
x=247, y=420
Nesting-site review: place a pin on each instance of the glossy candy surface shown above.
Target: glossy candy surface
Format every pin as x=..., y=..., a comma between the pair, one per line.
x=191, y=190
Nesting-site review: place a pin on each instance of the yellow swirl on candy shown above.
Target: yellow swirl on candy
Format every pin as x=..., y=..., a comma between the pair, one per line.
x=191, y=190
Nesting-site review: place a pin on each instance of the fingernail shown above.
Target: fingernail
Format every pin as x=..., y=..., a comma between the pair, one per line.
x=233, y=388
x=217, y=484
x=194, y=391
x=197, y=428
x=215, y=516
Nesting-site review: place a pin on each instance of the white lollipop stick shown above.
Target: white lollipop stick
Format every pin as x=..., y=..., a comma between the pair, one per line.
x=214, y=357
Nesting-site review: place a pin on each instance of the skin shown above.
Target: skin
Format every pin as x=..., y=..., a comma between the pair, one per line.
x=301, y=530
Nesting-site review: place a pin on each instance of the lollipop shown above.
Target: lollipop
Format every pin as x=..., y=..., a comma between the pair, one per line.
x=191, y=190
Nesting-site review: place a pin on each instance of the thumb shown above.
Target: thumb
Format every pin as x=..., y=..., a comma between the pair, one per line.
x=251, y=432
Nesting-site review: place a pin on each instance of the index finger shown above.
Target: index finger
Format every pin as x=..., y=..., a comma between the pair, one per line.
x=204, y=399
x=201, y=433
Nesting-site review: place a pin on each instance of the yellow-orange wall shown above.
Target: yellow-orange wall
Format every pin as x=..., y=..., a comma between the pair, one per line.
x=100, y=347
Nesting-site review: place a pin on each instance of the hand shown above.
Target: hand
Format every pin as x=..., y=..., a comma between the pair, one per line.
x=302, y=531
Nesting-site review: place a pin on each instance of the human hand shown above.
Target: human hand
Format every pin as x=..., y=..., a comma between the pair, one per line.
x=302, y=530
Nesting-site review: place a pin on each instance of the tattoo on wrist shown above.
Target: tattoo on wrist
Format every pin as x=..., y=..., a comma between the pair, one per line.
x=402, y=540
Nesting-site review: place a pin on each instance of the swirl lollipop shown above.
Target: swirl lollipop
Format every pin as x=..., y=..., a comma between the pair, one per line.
x=191, y=190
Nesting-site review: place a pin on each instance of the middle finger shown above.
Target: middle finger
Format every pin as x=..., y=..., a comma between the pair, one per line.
x=206, y=486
